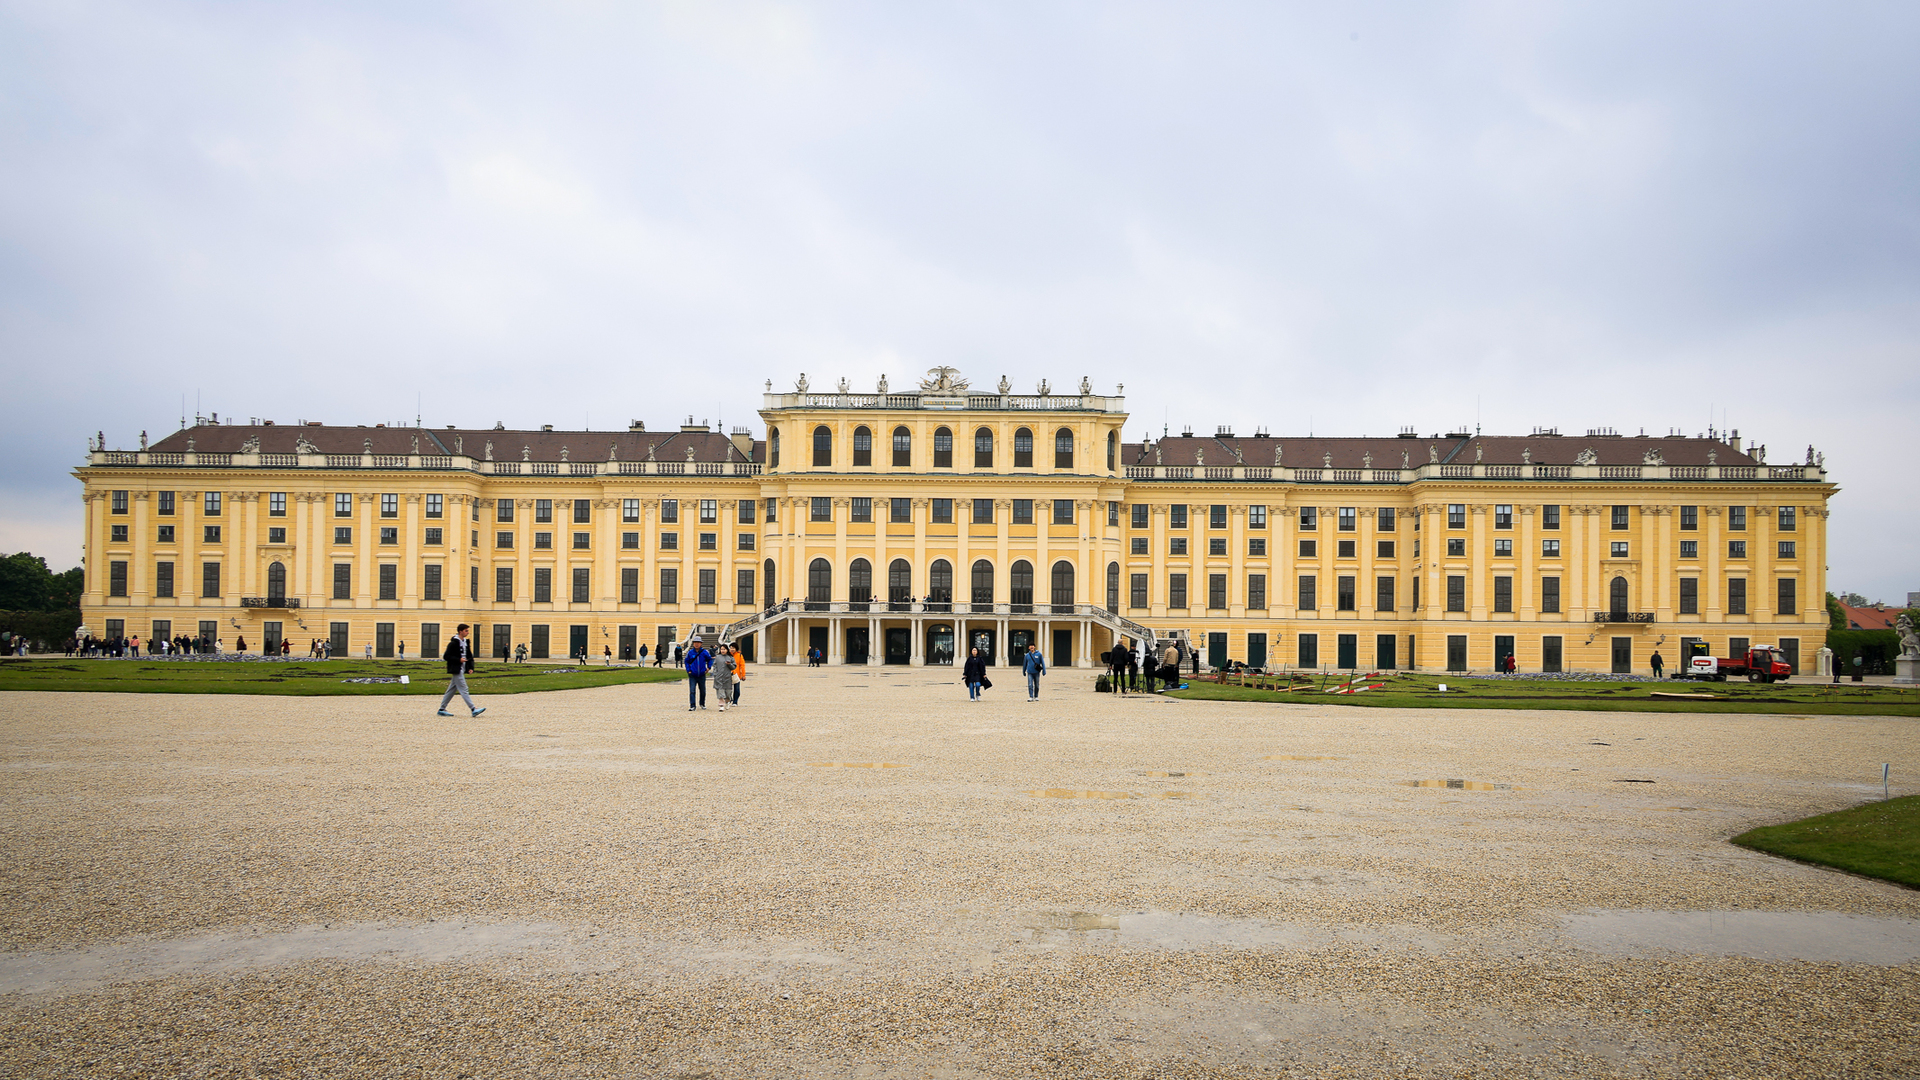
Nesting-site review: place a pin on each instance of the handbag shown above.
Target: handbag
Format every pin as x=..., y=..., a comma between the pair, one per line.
x=986, y=683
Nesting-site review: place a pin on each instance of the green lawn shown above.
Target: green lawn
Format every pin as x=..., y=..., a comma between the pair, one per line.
x=1880, y=839
x=1405, y=690
x=322, y=678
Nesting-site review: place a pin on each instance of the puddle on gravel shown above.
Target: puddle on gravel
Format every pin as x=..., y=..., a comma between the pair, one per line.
x=856, y=765
x=85, y=967
x=1762, y=935
x=1068, y=793
x=1461, y=785
x=1169, y=930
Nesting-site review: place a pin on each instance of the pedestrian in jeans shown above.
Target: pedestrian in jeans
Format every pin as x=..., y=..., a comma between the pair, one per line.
x=698, y=661
x=739, y=674
x=1035, y=666
x=1117, y=667
x=974, y=674
x=459, y=658
x=723, y=676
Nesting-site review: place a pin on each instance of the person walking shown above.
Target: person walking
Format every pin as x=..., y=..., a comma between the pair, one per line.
x=723, y=676
x=1035, y=665
x=369, y=649
x=974, y=674
x=643, y=654
x=697, y=662
x=1133, y=668
x=608, y=649
x=1117, y=665
x=1658, y=663
x=459, y=658
x=403, y=650
x=739, y=674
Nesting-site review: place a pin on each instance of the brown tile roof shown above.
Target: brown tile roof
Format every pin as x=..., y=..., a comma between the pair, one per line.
x=507, y=445
x=1393, y=453
x=1870, y=618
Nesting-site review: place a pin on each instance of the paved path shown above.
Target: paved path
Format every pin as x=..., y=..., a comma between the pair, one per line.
x=863, y=874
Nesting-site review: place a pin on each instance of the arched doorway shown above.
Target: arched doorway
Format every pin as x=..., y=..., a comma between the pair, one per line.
x=276, y=581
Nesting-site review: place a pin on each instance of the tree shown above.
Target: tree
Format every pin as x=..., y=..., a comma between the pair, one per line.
x=27, y=585
x=1836, y=618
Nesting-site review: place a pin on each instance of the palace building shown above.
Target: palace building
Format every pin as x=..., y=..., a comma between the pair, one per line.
x=902, y=528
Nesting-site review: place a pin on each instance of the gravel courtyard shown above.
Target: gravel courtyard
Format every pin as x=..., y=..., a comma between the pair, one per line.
x=861, y=873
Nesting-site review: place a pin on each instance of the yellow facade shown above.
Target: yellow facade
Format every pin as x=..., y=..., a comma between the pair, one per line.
x=1280, y=545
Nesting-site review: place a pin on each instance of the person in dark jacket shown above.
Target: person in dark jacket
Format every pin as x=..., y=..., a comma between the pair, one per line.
x=459, y=658
x=1035, y=665
x=698, y=662
x=973, y=674
x=1117, y=665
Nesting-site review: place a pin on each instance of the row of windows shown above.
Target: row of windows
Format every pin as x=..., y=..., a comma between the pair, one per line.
x=902, y=449
x=941, y=511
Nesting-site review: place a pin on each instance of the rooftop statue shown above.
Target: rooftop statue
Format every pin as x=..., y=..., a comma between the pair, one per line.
x=1586, y=456
x=1086, y=385
x=1653, y=457
x=1005, y=386
x=943, y=380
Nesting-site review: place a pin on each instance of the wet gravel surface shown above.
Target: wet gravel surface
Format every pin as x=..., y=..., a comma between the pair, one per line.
x=861, y=874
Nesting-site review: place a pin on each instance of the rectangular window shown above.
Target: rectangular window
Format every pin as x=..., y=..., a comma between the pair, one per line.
x=1689, y=518
x=118, y=534
x=1502, y=593
x=862, y=509
x=1347, y=549
x=1788, y=597
x=630, y=541
x=1456, y=592
x=900, y=510
x=1063, y=511
x=1139, y=512
x=1550, y=654
x=709, y=512
x=503, y=540
x=1503, y=549
x=277, y=535
x=430, y=581
x=389, y=581
x=1176, y=545
x=1383, y=549
x=1384, y=519
x=745, y=512
x=117, y=578
x=669, y=585
x=342, y=581
x=209, y=534
x=773, y=511
x=1256, y=592
x=390, y=506
x=1689, y=549
x=1217, y=516
x=1788, y=549
x=746, y=542
x=1736, y=519
x=1138, y=546
x=166, y=503
x=983, y=511
x=473, y=583
x=1137, y=591
x=943, y=511
x=1309, y=518
x=669, y=541
x=1348, y=520
x=1177, y=590
x=1177, y=518
x=1415, y=600
x=743, y=587
x=1257, y=546
x=1309, y=650
x=210, y=581
x=503, y=584
x=1689, y=596
x=1308, y=593
x=543, y=541
x=164, y=534
x=630, y=511
x=1216, y=545
x=582, y=511
x=1456, y=516
x=1457, y=547
x=429, y=640
x=1383, y=598
x=1309, y=549
x=276, y=504
x=582, y=540
x=543, y=584
x=1550, y=517
x=163, y=579
x=580, y=581
x=1256, y=517
x=1550, y=595
x=1736, y=549
x=1344, y=593
x=390, y=534
x=342, y=504
x=543, y=512
x=434, y=504
x=1788, y=518
x=211, y=503
x=708, y=588
x=1023, y=511
x=343, y=534
x=708, y=541
x=1737, y=596
x=1620, y=517
x=1617, y=550
x=1502, y=516
x=822, y=509
x=1217, y=591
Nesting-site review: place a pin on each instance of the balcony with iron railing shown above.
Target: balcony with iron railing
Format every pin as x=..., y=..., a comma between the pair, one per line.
x=269, y=601
x=1623, y=616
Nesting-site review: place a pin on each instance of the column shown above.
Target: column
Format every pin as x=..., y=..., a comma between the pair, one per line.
x=140, y=570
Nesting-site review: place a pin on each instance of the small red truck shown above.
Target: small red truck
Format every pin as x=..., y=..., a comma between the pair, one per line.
x=1761, y=664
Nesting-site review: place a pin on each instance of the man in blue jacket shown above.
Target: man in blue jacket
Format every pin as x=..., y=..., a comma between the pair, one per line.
x=1035, y=666
x=698, y=662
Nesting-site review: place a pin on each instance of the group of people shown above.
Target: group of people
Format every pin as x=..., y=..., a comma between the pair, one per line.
x=1125, y=666
x=1033, y=664
x=727, y=665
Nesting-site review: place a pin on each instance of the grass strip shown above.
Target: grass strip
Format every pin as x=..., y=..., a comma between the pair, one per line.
x=317, y=679
x=1415, y=691
x=1878, y=840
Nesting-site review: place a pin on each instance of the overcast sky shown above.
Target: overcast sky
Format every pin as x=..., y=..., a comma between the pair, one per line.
x=1346, y=217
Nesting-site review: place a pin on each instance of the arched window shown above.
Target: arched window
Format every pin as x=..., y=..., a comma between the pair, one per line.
x=276, y=581
x=1617, y=598
x=819, y=582
x=900, y=582
x=982, y=582
x=862, y=446
x=1023, y=448
x=860, y=581
x=983, y=449
x=942, y=448
x=1113, y=451
x=940, y=581
x=1063, y=584
x=1113, y=586
x=767, y=592
x=1063, y=448
x=822, y=447
x=902, y=448
x=1023, y=583
x=773, y=448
